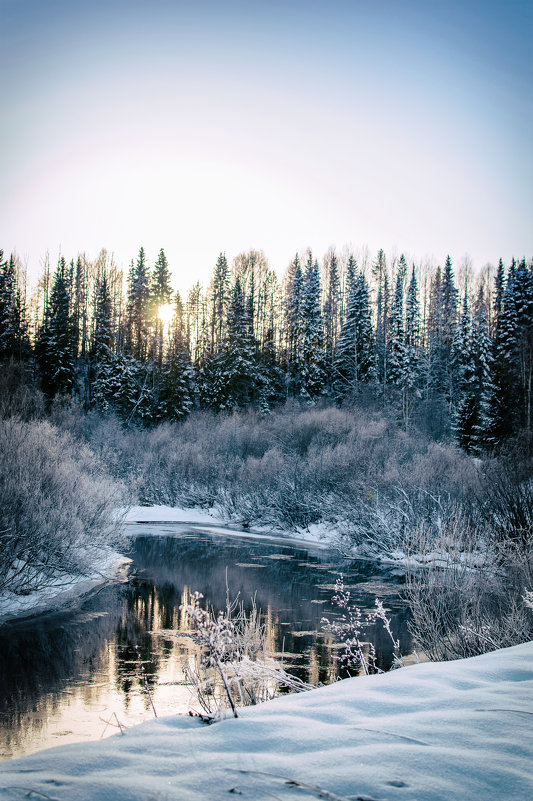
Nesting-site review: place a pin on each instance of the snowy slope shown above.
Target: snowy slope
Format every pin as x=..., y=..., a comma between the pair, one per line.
x=456, y=730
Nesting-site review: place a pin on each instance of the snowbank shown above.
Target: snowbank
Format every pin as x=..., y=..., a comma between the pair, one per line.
x=169, y=514
x=67, y=590
x=433, y=731
x=216, y=523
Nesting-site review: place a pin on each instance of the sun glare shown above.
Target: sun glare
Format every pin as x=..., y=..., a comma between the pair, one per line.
x=165, y=314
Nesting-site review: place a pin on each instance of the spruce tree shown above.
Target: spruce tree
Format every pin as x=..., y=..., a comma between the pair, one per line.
x=412, y=356
x=176, y=390
x=240, y=364
x=482, y=349
x=349, y=278
x=449, y=296
x=138, y=308
x=332, y=308
x=523, y=291
x=354, y=356
x=504, y=373
x=219, y=301
x=55, y=343
x=160, y=295
x=293, y=309
x=397, y=349
x=312, y=348
x=379, y=271
x=14, y=342
x=467, y=421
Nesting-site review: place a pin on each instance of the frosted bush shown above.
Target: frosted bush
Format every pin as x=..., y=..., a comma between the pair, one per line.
x=349, y=628
x=57, y=505
x=232, y=668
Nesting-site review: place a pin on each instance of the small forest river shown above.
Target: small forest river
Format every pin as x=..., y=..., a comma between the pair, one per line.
x=70, y=676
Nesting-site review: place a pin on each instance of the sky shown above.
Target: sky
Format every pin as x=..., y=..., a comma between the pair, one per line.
x=205, y=127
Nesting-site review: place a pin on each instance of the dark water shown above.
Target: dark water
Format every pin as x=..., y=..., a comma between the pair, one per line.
x=74, y=675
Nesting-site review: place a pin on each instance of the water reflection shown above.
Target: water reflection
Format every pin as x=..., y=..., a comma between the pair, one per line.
x=77, y=675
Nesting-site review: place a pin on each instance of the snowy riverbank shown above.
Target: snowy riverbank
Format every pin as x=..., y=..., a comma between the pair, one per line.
x=109, y=566
x=318, y=534
x=430, y=732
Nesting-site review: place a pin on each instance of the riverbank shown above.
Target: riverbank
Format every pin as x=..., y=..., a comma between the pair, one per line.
x=429, y=732
x=109, y=566
x=318, y=535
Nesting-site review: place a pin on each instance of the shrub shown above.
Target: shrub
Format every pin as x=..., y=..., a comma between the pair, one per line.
x=19, y=393
x=57, y=505
x=231, y=668
x=467, y=596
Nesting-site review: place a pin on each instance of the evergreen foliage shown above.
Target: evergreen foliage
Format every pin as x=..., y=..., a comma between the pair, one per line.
x=175, y=394
x=246, y=342
x=14, y=342
x=313, y=372
x=55, y=343
x=354, y=356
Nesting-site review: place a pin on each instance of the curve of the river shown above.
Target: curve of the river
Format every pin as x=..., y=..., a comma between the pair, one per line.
x=75, y=674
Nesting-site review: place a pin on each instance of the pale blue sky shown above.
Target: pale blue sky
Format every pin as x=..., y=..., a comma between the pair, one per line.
x=203, y=127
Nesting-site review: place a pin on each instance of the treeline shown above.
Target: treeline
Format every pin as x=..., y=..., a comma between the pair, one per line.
x=351, y=333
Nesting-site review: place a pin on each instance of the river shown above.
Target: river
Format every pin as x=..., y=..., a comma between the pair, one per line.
x=75, y=675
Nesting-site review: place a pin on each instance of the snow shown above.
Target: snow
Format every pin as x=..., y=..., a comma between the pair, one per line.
x=213, y=521
x=428, y=732
x=170, y=514
x=65, y=591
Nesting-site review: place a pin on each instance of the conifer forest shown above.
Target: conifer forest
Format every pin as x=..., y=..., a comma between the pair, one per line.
x=383, y=335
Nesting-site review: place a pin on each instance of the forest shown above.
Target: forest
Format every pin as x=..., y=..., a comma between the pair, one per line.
x=382, y=334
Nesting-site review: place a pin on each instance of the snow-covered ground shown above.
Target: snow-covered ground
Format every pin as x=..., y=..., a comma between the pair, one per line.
x=454, y=730
x=109, y=566
x=319, y=534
